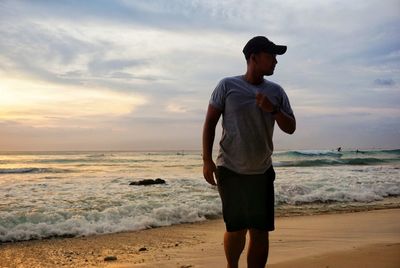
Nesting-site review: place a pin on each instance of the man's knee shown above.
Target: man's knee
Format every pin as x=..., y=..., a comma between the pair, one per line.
x=237, y=234
x=258, y=236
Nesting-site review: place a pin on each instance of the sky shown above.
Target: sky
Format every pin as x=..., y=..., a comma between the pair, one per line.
x=138, y=75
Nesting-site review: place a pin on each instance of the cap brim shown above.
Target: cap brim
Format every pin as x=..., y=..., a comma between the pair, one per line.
x=280, y=50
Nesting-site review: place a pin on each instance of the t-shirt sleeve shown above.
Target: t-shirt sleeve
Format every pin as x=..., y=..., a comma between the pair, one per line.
x=285, y=104
x=218, y=96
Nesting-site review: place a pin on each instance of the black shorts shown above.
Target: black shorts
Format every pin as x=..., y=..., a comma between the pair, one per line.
x=247, y=200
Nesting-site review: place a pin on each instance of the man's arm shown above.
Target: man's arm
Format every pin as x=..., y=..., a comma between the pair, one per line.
x=209, y=168
x=286, y=122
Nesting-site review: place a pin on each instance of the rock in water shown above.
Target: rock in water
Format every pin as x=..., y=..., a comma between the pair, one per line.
x=148, y=182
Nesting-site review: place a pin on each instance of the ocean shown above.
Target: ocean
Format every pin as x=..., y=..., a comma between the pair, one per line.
x=68, y=194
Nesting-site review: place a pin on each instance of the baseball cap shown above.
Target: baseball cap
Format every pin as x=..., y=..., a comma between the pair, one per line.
x=262, y=44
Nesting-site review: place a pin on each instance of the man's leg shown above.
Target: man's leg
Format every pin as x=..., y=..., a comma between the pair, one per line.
x=258, y=249
x=234, y=243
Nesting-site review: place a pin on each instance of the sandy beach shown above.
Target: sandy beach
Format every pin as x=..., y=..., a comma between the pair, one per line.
x=361, y=239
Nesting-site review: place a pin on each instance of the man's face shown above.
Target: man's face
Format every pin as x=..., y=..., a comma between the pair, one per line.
x=266, y=62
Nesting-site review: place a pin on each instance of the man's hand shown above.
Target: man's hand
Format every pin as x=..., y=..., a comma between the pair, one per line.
x=264, y=103
x=287, y=123
x=209, y=170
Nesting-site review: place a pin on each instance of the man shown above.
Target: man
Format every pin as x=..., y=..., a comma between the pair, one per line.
x=250, y=105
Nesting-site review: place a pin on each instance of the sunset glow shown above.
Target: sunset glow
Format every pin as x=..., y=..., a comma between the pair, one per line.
x=121, y=75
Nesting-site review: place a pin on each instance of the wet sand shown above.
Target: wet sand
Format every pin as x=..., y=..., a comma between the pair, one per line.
x=361, y=239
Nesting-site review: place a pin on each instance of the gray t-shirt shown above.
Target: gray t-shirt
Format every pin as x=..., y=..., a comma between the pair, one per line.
x=246, y=144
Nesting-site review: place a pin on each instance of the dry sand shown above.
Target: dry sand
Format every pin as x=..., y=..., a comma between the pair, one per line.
x=362, y=239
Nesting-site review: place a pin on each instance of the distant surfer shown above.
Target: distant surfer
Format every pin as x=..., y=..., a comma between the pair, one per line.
x=339, y=149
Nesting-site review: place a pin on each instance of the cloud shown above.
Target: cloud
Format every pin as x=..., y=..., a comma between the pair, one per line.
x=147, y=67
x=107, y=67
x=38, y=104
x=384, y=82
x=176, y=108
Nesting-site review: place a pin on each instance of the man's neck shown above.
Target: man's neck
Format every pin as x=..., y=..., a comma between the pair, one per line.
x=253, y=79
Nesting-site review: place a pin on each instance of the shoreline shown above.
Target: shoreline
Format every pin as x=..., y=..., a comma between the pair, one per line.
x=327, y=208
x=284, y=210
x=299, y=239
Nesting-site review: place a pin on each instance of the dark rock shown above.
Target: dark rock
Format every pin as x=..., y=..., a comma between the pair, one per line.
x=146, y=182
x=142, y=249
x=110, y=258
